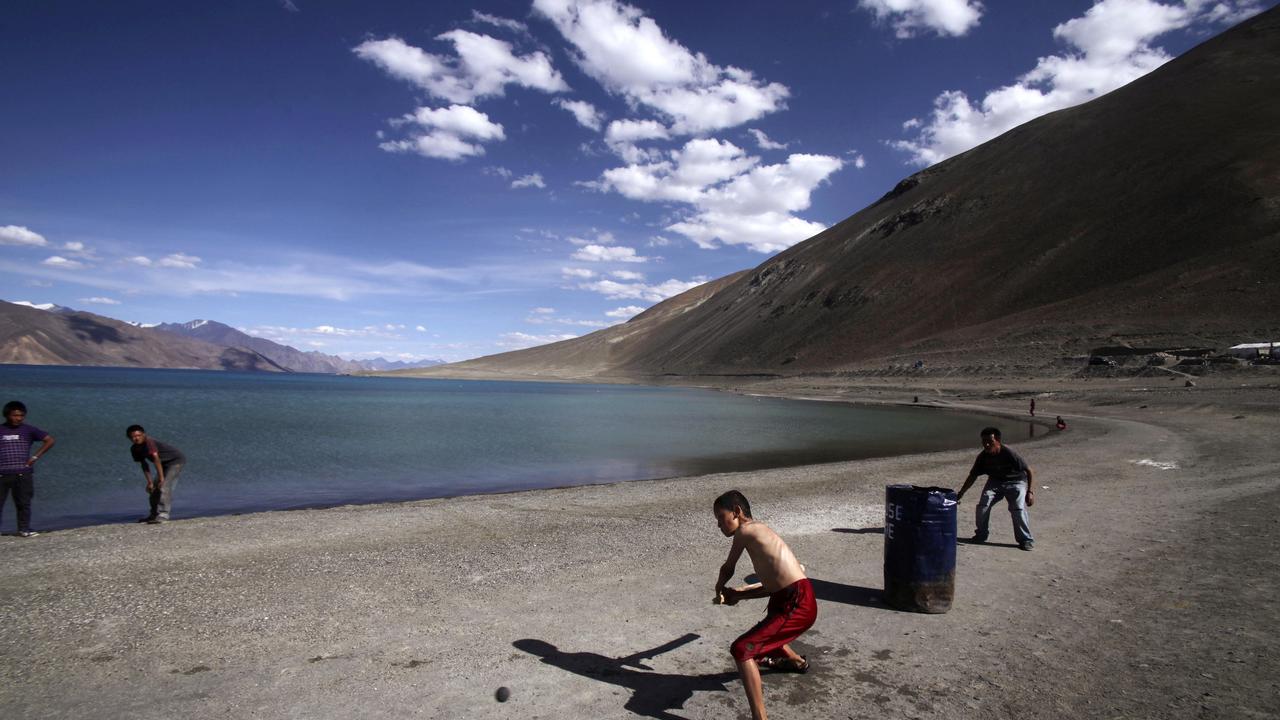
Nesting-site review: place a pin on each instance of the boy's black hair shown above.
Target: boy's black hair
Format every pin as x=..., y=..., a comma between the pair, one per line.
x=992, y=431
x=13, y=405
x=129, y=432
x=731, y=500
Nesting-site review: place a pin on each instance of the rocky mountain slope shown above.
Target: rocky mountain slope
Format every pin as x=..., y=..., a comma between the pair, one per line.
x=219, y=334
x=1149, y=216
x=67, y=337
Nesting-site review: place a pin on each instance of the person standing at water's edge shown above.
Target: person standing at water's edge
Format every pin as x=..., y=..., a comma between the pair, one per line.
x=792, y=605
x=1008, y=477
x=17, y=462
x=168, y=461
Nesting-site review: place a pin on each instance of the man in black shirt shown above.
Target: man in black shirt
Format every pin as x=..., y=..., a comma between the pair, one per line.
x=1008, y=477
x=168, y=461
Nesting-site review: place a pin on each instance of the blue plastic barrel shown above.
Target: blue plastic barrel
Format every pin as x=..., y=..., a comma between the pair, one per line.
x=920, y=548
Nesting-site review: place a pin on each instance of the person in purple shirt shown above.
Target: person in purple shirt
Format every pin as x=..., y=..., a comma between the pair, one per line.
x=17, y=462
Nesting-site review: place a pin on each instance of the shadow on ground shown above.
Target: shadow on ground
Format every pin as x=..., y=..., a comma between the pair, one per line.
x=653, y=694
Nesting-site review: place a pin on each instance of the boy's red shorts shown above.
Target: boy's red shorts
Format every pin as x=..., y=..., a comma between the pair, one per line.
x=792, y=610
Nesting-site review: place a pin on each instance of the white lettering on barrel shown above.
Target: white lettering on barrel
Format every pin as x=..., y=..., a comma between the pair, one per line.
x=892, y=511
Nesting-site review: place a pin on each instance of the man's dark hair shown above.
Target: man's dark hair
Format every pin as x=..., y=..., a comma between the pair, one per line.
x=731, y=500
x=992, y=431
x=129, y=432
x=14, y=405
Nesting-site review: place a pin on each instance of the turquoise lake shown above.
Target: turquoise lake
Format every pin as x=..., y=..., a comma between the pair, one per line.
x=274, y=441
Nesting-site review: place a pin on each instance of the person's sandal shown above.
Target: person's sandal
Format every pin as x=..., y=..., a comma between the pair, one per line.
x=783, y=664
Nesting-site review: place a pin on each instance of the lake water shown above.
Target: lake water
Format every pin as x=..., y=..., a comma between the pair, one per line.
x=274, y=441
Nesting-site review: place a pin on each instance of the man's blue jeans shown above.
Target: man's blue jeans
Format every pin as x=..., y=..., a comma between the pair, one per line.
x=1016, y=495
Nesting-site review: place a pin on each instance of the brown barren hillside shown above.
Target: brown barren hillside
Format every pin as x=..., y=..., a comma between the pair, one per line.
x=1149, y=216
x=37, y=337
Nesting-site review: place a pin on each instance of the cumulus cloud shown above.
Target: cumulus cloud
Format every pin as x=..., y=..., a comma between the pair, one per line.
x=582, y=273
x=180, y=261
x=630, y=55
x=533, y=180
x=57, y=261
x=100, y=300
x=584, y=112
x=496, y=21
x=910, y=18
x=736, y=201
x=19, y=235
x=519, y=340
x=627, y=275
x=1109, y=46
x=640, y=291
x=450, y=133
x=601, y=253
x=764, y=142
x=625, y=313
x=142, y=260
x=483, y=66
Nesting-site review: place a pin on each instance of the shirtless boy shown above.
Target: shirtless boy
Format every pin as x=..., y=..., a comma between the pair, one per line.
x=792, y=606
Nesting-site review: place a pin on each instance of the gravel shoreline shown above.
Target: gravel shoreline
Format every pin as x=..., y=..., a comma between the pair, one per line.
x=1150, y=592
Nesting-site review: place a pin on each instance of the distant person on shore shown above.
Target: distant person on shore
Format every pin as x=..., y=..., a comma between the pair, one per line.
x=1008, y=477
x=1062, y=424
x=168, y=461
x=17, y=462
x=1033, y=407
x=792, y=605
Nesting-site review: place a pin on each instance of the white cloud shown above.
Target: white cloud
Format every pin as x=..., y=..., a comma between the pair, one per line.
x=142, y=260
x=622, y=137
x=631, y=56
x=100, y=300
x=483, y=66
x=1109, y=46
x=735, y=201
x=534, y=180
x=57, y=261
x=73, y=246
x=584, y=112
x=659, y=241
x=912, y=17
x=420, y=328
x=501, y=22
x=547, y=316
x=179, y=260
x=449, y=133
x=577, y=273
x=627, y=275
x=600, y=253
x=764, y=142
x=625, y=313
x=19, y=235
x=519, y=340
x=499, y=171
x=860, y=161
x=640, y=291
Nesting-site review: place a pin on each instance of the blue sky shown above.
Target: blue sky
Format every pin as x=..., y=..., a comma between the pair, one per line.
x=449, y=179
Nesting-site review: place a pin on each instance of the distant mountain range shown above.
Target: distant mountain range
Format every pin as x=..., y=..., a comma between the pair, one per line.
x=50, y=334
x=1148, y=217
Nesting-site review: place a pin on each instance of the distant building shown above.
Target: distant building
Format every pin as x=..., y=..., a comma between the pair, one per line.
x=1253, y=351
